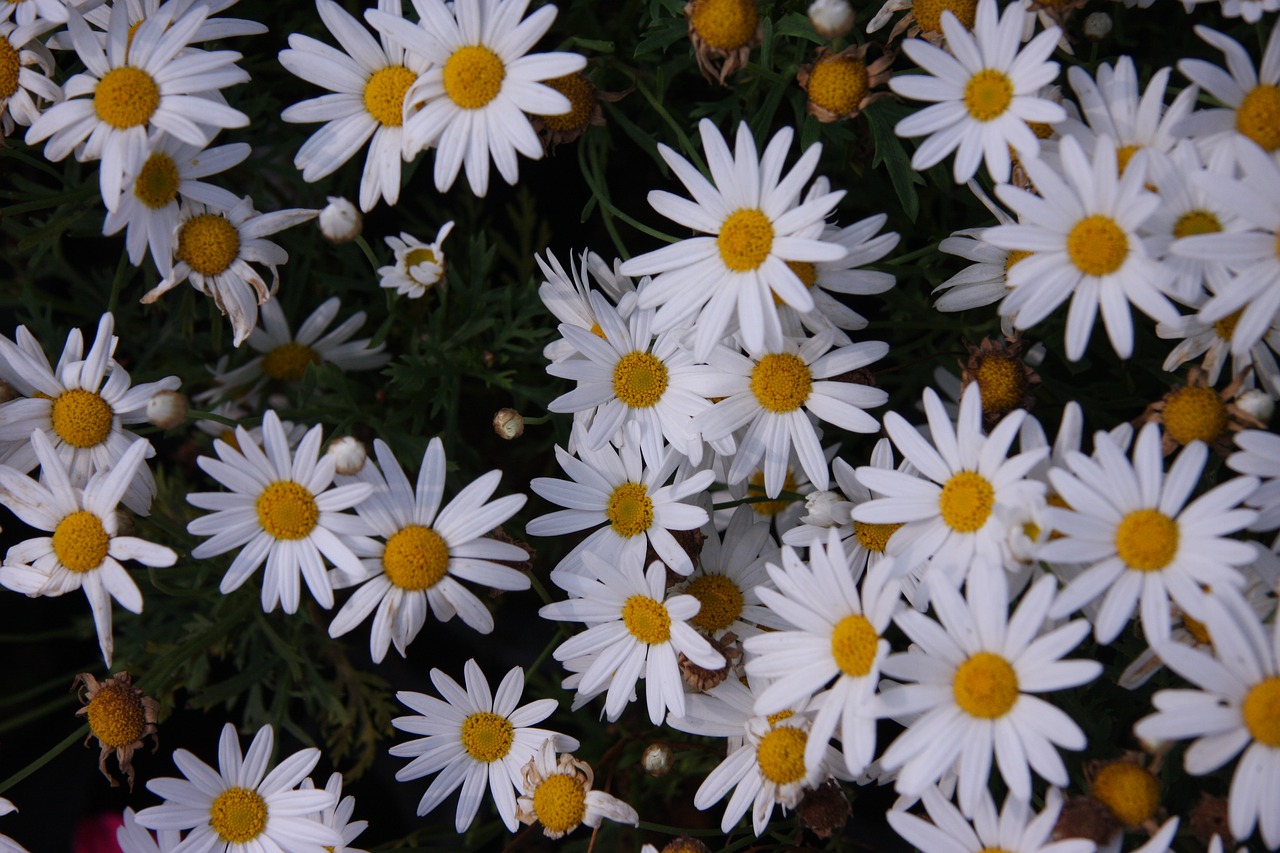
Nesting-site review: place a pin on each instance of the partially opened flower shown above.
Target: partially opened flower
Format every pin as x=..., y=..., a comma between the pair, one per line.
x=419, y=266
x=556, y=793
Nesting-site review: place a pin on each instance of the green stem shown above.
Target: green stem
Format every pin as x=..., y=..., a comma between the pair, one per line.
x=78, y=734
x=368, y=252
x=118, y=282
x=685, y=143
x=782, y=496
x=203, y=415
x=898, y=260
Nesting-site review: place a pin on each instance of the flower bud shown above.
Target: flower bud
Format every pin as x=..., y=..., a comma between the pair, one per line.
x=822, y=509
x=832, y=19
x=167, y=409
x=508, y=424
x=1097, y=26
x=1257, y=403
x=348, y=455
x=340, y=221
x=657, y=760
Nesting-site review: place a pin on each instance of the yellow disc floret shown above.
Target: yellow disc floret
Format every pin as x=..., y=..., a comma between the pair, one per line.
x=208, y=243
x=582, y=103
x=10, y=67
x=384, y=94
x=781, y=755
x=288, y=362
x=1097, y=245
x=639, y=379
x=929, y=13
x=1013, y=257
x=630, y=510
x=647, y=619
x=1130, y=792
x=487, y=737
x=116, y=715
x=1196, y=222
x=81, y=418
x=985, y=686
x=1261, y=712
x=1147, y=540
x=1258, y=116
x=805, y=271
x=838, y=84
x=966, y=501
x=721, y=600
x=238, y=815
x=725, y=24
x=988, y=94
x=755, y=489
x=745, y=239
x=157, y=183
x=854, y=643
x=874, y=537
x=416, y=558
x=1226, y=327
x=473, y=76
x=287, y=510
x=781, y=382
x=1123, y=155
x=126, y=97
x=1002, y=382
x=560, y=802
x=80, y=542
x=1194, y=413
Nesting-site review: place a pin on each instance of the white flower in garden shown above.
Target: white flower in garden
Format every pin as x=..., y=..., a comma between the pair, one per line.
x=241, y=807
x=984, y=92
x=729, y=576
x=283, y=510
x=99, y=16
x=26, y=69
x=567, y=295
x=338, y=816
x=755, y=224
x=556, y=793
x=1016, y=829
x=474, y=739
x=470, y=102
x=419, y=266
x=1143, y=541
x=428, y=550
x=368, y=81
x=134, y=838
x=1250, y=95
x=85, y=545
x=1259, y=456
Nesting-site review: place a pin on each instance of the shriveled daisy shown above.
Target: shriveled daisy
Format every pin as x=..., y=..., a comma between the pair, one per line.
x=474, y=739
x=471, y=101
x=338, y=816
x=567, y=294
x=419, y=266
x=556, y=793
x=755, y=223
x=427, y=552
x=26, y=69
x=1016, y=829
x=282, y=509
x=1131, y=522
x=1250, y=95
x=241, y=808
x=984, y=92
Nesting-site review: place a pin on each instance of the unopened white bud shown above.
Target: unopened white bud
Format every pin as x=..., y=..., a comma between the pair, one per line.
x=348, y=455
x=658, y=759
x=340, y=221
x=167, y=409
x=1257, y=403
x=823, y=509
x=1097, y=26
x=832, y=19
x=508, y=423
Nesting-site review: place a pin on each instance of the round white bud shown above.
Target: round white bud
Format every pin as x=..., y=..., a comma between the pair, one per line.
x=824, y=509
x=348, y=454
x=340, y=221
x=508, y=423
x=167, y=409
x=1257, y=403
x=1097, y=26
x=832, y=19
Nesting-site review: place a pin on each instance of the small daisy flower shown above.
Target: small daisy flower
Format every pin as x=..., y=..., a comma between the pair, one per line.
x=26, y=69
x=213, y=29
x=338, y=816
x=1250, y=94
x=730, y=573
x=1016, y=829
x=419, y=266
x=283, y=509
x=428, y=551
x=754, y=224
x=134, y=838
x=567, y=295
x=474, y=739
x=556, y=793
x=241, y=807
x=984, y=93
x=120, y=717
x=1213, y=342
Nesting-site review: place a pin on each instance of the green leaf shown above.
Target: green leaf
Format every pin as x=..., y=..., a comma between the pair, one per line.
x=893, y=156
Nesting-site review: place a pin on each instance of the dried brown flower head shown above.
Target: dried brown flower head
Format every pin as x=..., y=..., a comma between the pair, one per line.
x=584, y=110
x=1005, y=380
x=840, y=85
x=120, y=717
x=723, y=33
x=1195, y=412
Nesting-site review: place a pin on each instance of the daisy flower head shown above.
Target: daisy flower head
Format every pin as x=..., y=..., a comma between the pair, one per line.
x=1016, y=829
x=1131, y=522
x=368, y=80
x=1250, y=94
x=419, y=266
x=567, y=295
x=556, y=793
x=754, y=225
x=972, y=680
x=473, y=739
x=1083, y=232
x=984, y=92
x=139, y=82
x=427, y=551
x=85, y=545
x=730, y=573
x=26, y=68
x=470, y=102
x=338, y=815
x=283, y=510
x=241, y=807
x=213, y=29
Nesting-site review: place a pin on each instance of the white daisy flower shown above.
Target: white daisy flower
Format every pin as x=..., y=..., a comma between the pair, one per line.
x=369, y=82
x=241, y=808
x=338, y=816
x=1144, y=542
x=566, y=295
x=474, y=739
x=428, y=551
x=470, y=103
x=26, y=69
x=213, y=29
x=144, y=80
x=984, y=92
x=85, y=547
x=1250, y=95
x=1213, y=342
x=419, y=266
x=755, y=224
x=134, y=838
x=973, y=678
x=81, y=404
x=1016, y=829
x=556, y=793
x=1234, y=709
x=283, y=510
x=730, y=573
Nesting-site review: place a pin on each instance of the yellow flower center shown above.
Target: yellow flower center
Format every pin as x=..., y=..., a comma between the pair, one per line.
x=929, y=13
x=745, y=239
x=1002, y=382
x=781, y=382
x=116, y=715
x=238, y=815
x=1197, y=629
x=487, y=737
x=781, y=755
x=725, y=24
x=853, y=645
x=597, y=331
x=755, y=489
x=582, y=103
x=416, y=558
x=1097, y=245
x=126, y=97
x=639, y=379
x=157, y=182
x=1226, y=327
x=288, y=362
x=560, y=802
x=630, y=510
x=805, y=271
x=1196, y=222
x=647, y=619
x=774, y=719
x=988, y=94
x=1147, y=540
x=81, y=418
x=9, y=69
x=966, y=501
x=287, y=510
x=874, y=537
x=985, y=686
x=1194, y=413
x=1041, y=129
x=1258, y=116
x=721, y=602
x=80, y=542
x=1130, y=792
x=1123, y=155
x=473, y=76
x=838, y=84
x=1261, y=711
x=1013, y=257
x=420, y=256
x=208, y=243
x=384, y=94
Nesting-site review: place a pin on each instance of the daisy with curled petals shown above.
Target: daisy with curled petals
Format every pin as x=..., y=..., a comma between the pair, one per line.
x=368, y=81
x=567, y=295
x=241, y=808
x=1016, y=829
x=1084, y=236
x=556, y=793
x=971, y=680
x=470, y=103
x=474, y=739
x=419, y=266
x=282, y=509
x=427, y=552
x=984, y=92
x=145, y=80
x=1234, y=709
x=85, y=545
x=26, y=68
x=1130, y=521
x=1250, y=94
x=834, y=631
x=755, y=223
x=773, y=391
